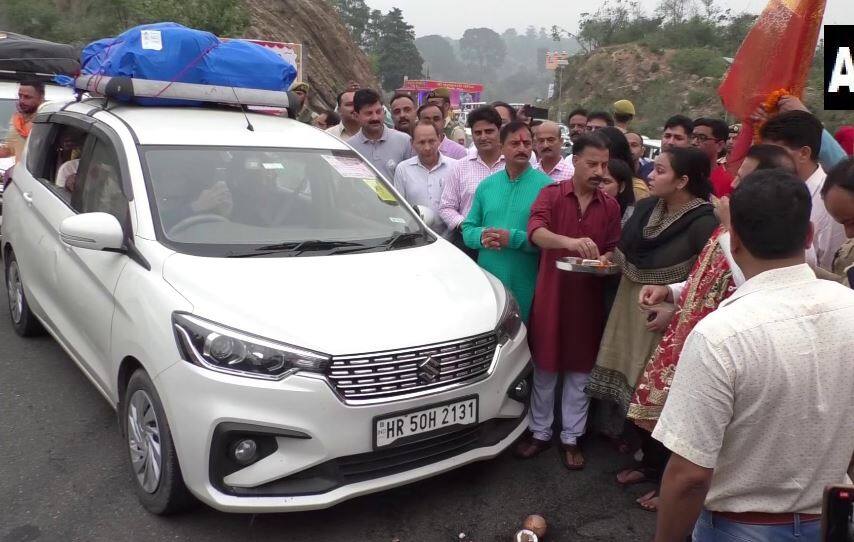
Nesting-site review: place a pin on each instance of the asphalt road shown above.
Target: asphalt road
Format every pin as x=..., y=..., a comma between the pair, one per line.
x=63, y=477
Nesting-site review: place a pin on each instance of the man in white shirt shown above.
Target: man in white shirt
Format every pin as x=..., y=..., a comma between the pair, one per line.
x=800, y=133
x=421, y=178
x=548, y=143
x=447, y=146
x=349, y=125
x=759, y=416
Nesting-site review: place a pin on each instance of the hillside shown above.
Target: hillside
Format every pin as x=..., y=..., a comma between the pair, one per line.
x=333, y=59
x=660, y=83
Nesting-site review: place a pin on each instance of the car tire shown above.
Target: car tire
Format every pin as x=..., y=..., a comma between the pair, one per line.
x=152, y=458
x=23, y=320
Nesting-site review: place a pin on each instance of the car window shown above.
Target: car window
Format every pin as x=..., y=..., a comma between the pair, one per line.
x=7, y=109
x=98, y=186
x=215, y=201
x=53, y=156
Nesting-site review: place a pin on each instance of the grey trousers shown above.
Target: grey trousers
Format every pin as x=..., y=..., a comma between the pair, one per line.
x=574, y=403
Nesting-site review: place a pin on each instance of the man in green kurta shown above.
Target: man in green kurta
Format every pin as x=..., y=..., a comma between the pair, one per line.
x=497, y=225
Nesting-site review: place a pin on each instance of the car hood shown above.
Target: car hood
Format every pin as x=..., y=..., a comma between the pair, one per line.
x=344, y=304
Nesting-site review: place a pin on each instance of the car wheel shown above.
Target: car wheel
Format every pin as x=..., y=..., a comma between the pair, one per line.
x=152, y=458
x=23, y=320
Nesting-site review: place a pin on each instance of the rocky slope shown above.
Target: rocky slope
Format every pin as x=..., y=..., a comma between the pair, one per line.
x=332, y=58
x=659, y=83
x=663, y=82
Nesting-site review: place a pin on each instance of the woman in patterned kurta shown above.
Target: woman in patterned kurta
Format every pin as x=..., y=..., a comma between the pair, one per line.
x=504, y=203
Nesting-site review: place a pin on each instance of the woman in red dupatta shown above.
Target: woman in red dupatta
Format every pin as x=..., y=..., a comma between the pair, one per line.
x=709, y=283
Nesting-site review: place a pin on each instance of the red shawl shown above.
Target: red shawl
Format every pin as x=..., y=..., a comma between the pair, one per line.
x=709, y=283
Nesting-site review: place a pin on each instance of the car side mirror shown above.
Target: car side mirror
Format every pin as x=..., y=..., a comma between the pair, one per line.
x=427, y=215
x=94, y=231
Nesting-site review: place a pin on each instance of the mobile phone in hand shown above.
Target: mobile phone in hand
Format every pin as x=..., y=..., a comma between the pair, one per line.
x=837, y=514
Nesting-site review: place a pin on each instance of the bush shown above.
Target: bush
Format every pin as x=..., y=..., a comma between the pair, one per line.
x=696, y=98
x=699, y=62
x=654, y=68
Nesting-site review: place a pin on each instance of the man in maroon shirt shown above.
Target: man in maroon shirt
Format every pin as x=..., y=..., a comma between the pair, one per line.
x=710, y=136
x=573, y=218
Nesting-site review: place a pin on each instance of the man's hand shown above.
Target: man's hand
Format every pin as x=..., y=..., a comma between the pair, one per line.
x=784, y=105
x=583, y=246
x=502, y=237
x=759, y=115
x=490, y=239
x=216, y=199
x=495, y=238
x=653, y=294
x=71, y=182
x=683, y=490
x=791, y=103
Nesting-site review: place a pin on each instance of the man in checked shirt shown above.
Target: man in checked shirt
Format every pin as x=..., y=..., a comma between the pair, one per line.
x=467, y=173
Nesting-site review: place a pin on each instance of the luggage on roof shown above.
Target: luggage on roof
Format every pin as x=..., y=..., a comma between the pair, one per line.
x=176, y=54
x=27, y=56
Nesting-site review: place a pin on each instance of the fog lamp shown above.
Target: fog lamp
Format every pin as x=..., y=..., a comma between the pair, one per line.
x=245, y=451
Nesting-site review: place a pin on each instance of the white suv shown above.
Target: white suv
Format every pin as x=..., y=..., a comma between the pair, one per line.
x=277, y=330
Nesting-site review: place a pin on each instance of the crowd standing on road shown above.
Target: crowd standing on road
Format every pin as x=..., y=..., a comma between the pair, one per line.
x=692, y=233
x=724, y=350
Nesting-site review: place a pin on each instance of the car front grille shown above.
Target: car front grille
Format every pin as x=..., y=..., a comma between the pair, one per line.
x=385, y=376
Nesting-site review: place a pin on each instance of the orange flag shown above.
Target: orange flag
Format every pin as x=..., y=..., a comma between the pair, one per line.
x=776, y=54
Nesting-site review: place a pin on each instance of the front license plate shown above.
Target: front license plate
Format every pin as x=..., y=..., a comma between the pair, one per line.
x=417, y=424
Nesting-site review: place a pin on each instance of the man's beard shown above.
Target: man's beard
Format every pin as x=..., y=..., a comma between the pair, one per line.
x=27, y=111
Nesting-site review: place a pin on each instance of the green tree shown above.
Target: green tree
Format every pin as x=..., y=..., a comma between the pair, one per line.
x=440, y=60
x=354, y=15
x=484, y=49
x=396, y=53
x=373, y=32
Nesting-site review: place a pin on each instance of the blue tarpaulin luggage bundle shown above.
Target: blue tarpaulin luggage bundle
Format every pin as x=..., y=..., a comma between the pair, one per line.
x=175, y=53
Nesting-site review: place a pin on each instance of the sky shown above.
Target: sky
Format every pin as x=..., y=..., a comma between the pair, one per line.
x=452, y=17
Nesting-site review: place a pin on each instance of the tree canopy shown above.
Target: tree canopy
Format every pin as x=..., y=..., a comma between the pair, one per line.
x=387, y=39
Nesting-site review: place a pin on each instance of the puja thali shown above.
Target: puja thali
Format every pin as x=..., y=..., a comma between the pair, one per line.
x=592, y=267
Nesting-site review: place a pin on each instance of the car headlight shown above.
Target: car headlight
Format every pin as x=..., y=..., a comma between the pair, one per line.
x=227, y=350
x=511, y=320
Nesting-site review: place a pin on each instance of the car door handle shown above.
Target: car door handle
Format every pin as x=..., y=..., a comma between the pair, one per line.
x=28, y=197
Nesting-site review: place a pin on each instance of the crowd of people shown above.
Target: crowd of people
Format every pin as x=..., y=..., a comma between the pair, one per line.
x=722, y=354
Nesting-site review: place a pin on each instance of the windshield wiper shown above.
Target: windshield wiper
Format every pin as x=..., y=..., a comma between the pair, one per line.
x=313, y=244
x=400, y=236
x=296, y=248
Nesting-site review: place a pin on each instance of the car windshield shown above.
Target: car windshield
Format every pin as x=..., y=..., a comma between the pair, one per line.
x=237, y=201
x=7, y=109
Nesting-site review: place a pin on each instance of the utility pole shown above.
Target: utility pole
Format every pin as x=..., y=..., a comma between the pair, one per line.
x=560, y=64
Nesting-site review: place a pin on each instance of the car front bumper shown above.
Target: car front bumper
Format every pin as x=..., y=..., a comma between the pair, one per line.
x=319, y=449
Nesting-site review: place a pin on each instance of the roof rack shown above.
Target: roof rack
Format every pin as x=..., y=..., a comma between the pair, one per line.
x=126, y=88
x=18, y=76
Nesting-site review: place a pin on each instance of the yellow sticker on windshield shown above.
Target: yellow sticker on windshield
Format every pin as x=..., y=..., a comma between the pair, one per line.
x=380, y=189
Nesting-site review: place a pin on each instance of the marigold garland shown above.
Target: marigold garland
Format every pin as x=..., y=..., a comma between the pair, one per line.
x=770, y=105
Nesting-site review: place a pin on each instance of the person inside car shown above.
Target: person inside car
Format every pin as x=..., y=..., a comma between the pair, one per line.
x=68, y=155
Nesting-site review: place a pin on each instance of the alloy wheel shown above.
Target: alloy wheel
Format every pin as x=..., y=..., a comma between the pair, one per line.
x=143, y=430
x=16, y=292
